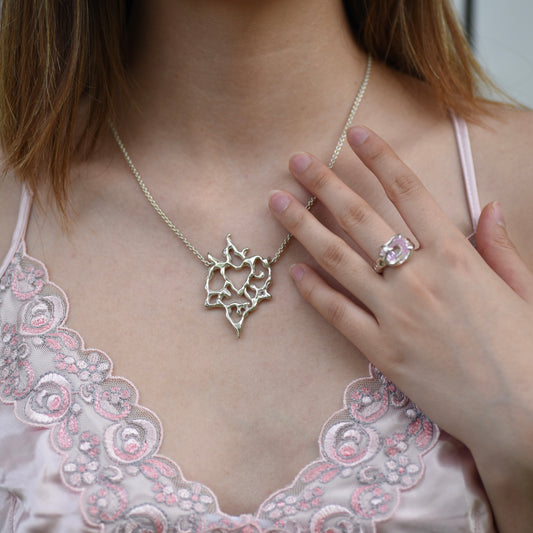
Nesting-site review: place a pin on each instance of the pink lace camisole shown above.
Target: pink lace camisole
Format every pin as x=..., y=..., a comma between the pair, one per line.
x=79, y=454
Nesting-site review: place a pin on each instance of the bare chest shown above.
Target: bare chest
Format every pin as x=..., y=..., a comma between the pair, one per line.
x=242, y=416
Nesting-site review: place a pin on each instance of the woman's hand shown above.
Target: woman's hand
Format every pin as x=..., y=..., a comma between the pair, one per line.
x=452, y=328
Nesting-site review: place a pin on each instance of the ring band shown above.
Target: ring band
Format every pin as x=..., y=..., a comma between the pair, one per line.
x=395, y=252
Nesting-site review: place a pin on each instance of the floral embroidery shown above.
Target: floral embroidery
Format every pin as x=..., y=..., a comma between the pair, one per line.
x=165, y=494
x=370, y=451
x=82, y=469
x=283, y=505
x=15, y=372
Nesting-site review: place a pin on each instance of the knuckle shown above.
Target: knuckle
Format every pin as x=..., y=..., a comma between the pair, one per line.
x=500, y=241
x=296, y=221
x=427, y=291
x=497, y=244
x=332, y=256
x=397, y=361
x=393, y=354
x=354, y=215
x=376, y=153
x=308, y=291
x=335, y=311
x=319, y=180
x=403, y=186
x=451, y=256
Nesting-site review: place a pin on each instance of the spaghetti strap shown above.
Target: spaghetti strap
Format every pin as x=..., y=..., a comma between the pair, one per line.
x=20, y=229
x=467, y=166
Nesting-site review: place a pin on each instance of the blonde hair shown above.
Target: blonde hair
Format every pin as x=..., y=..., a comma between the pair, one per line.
x=55, y=53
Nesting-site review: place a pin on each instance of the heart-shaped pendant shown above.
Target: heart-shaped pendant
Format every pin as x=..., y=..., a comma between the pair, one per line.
x=237, y=283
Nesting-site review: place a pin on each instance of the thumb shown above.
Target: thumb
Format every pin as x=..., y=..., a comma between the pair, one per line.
x=494, y=245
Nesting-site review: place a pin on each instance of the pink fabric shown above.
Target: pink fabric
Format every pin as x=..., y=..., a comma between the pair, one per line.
x=467, y=167
x=78, y=452
x=20, y=229
x=32, y=496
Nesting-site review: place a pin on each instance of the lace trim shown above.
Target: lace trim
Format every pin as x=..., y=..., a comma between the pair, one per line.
x=370, y=451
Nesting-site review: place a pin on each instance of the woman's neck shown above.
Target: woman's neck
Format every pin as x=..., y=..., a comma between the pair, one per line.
x=219, y=75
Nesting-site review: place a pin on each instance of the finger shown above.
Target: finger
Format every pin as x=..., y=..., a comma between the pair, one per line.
x=494, y=245
x=415, y=204
x=354, y=215
x=329, y=250
x=356, y=324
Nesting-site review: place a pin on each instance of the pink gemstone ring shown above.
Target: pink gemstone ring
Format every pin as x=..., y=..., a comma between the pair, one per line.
x=394, y=252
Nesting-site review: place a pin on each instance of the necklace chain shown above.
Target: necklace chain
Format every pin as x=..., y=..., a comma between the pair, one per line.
x=279, y=252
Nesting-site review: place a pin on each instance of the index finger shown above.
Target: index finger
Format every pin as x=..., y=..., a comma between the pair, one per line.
x=415, y=204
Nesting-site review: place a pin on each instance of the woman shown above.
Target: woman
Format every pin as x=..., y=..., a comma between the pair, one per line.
x=220, y=93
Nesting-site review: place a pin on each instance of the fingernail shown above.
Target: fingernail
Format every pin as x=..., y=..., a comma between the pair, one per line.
x=297, y=272
x=279, y=201
x=357, y=135
x=498, y=213
x=299, y=162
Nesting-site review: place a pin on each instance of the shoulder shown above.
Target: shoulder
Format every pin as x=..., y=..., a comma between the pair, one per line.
x=502, y=147
x=507, y=132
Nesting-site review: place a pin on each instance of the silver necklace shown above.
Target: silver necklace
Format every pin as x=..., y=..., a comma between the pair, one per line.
x=222, y=291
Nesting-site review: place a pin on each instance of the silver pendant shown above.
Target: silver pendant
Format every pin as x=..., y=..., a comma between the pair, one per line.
x=237, y=283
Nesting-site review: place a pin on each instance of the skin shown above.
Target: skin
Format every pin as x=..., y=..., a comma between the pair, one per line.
x=225, y=91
